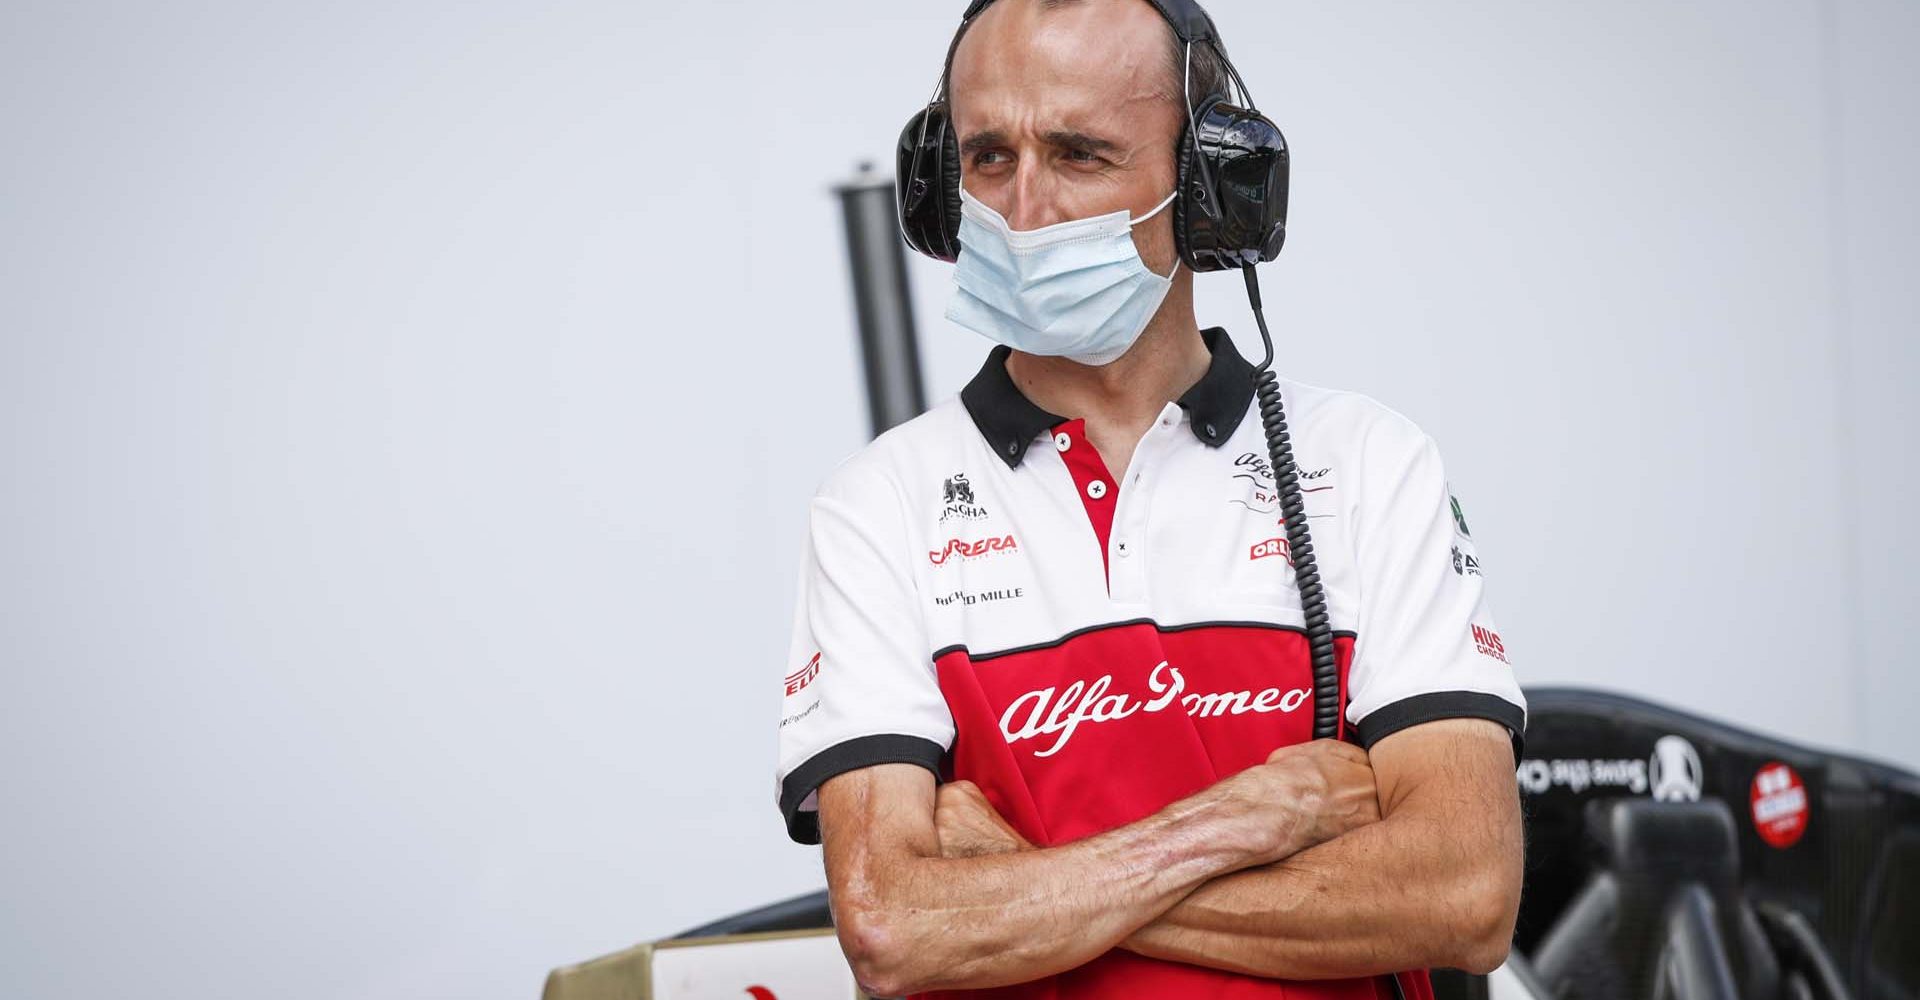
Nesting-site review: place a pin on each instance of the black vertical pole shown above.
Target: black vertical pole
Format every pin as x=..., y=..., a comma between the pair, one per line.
x=889, y=348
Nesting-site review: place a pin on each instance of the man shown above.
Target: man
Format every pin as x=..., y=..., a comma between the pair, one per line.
x=1049, y=704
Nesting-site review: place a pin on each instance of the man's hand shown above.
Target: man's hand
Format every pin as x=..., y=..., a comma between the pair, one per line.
x=1303, y=795
x=1330, y=783
x=969, y=826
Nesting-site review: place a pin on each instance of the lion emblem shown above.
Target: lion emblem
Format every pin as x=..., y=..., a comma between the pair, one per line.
x=958, y=490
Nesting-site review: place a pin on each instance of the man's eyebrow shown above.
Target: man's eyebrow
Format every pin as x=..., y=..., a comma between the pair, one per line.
x=985, y=139
x=1062, y=137
x=1071, y=139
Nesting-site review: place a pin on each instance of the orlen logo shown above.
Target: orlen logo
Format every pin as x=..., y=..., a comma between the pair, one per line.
x=968, y=550
x=803, y=676
x=1487, y=643
x=1271, y=547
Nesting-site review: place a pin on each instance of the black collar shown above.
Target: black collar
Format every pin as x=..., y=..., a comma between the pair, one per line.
x=1010, y=421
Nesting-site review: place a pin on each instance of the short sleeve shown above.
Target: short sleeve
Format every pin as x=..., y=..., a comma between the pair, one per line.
x=1427, y=646
x=859, y=686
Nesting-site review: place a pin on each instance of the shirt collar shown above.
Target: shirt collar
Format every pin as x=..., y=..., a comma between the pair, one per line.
x=1010, y=421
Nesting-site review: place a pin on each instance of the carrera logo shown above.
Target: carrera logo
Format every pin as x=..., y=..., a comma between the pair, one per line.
x=1486, y=642
x=1271, y=547
x=969, y=550
x=1051, y=711
x=804, y=676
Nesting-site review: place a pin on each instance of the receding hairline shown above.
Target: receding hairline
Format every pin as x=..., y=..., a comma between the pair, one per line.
x=1208, y=71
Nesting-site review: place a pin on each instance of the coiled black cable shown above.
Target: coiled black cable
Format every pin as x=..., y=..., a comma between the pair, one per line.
x=1293, y=509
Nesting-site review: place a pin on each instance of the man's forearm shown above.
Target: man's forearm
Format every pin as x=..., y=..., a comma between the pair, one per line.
x=926, y=922
x=1383, y=898
x=1435, y=883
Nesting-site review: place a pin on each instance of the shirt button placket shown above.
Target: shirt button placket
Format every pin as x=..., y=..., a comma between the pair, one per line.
x=1129, y=577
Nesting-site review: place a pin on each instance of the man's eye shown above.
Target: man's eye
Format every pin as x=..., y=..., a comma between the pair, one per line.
x=988, y=156
x=1082, y=156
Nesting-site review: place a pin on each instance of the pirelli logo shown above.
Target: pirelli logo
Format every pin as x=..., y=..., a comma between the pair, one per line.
x=803, y=676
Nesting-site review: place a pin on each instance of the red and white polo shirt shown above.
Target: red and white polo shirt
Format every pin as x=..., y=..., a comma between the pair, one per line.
x=980, y=597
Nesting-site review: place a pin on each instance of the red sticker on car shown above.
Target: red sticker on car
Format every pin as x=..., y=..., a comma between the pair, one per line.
x=1779, y=805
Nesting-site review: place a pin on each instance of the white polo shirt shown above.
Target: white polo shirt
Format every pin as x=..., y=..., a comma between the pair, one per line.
x=980, y=597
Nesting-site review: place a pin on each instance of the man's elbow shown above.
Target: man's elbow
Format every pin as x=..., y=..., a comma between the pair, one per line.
x=1493, y=909
x=876, y=950
x=1485, y=956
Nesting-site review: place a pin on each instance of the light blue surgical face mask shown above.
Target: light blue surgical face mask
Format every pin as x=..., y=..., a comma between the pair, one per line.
x=1075, y=289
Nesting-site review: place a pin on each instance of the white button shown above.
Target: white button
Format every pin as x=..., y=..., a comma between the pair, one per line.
x=1123, y=548
x=1096, y=489
x=1166, y=421
x=1062, y=441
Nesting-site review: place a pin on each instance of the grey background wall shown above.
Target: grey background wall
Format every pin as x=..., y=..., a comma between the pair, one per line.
x=408, y=411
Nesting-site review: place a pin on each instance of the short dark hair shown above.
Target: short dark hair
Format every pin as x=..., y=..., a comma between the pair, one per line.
x=1210, y=77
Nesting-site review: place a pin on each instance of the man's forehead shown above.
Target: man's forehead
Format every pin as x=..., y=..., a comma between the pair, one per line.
x=1080, y=65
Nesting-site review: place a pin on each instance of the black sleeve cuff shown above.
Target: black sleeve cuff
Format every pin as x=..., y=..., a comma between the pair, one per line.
x=866, y=751
x=1389, y=719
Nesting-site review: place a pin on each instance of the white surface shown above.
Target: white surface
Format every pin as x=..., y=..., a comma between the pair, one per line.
x=408, y=411
x=807, y=968
x=1502, y=984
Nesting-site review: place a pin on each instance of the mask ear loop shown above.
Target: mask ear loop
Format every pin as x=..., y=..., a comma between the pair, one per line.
x=1156, y=209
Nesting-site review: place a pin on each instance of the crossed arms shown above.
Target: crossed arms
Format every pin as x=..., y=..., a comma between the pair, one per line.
x=1326, y=861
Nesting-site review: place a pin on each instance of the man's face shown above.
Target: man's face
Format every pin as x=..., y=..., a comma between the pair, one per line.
x=1067, y=113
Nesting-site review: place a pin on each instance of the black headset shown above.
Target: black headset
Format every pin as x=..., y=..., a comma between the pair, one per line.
x=1232, y=206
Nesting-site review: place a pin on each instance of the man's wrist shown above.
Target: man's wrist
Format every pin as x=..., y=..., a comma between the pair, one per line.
x=1225, y=826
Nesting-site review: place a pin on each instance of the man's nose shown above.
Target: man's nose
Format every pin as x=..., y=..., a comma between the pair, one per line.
x=1035, y=201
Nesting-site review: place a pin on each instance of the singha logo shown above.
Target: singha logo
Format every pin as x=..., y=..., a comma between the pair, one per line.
x=957, y=497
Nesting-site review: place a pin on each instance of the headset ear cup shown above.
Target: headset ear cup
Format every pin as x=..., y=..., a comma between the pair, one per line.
x=1233, y=189
x=1182, y=180
x=950, y=187
x=1195, y=217
x=928, y=202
